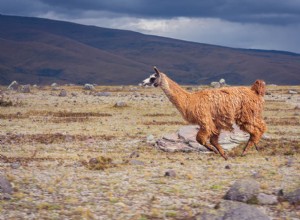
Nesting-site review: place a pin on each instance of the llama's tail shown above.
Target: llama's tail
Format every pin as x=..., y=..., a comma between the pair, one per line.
x=259, y=86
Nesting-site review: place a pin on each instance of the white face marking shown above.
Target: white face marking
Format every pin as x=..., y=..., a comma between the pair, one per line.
x=150, y=81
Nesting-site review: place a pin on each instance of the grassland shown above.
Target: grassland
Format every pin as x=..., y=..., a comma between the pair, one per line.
x=47, y=143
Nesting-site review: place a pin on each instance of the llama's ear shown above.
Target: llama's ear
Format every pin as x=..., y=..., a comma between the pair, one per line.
x=156, y=71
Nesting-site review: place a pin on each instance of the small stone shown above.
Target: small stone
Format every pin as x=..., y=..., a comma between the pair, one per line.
x=170, y=173
x=54, y=85
x=293, y=92
x=134, y=154
x=265, y=199
x=215, y=84
x=137, y=162
x=93, y=161
x=290, y=162
x=5, y=196
x=63, y=93
x=15, y=165
x=5, y=185
x=104, y=94
x=25, y=89
x=293, y=197
x=256, y=174
x=227, y=167
x=150, y=139
x=222, y=82
x=88, y=87
x=120, y=104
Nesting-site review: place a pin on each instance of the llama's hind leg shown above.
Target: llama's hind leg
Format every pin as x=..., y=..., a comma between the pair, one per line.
x=256, y=133
x=214, y=140
x=202, y=137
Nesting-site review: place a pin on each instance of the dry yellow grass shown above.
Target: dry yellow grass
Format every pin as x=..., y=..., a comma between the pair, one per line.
x=54, y=138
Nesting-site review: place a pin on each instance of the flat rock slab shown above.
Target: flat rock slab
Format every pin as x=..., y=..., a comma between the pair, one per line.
x=184, y=140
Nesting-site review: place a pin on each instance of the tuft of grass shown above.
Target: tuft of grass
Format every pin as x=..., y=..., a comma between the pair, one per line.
x=171, y=214
x=49, y=206
x=100, y=163
x=4, y=103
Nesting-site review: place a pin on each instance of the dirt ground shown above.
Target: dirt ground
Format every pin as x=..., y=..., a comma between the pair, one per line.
x=48, y=142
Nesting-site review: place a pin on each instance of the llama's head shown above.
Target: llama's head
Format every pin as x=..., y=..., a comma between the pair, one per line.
x=153, y=80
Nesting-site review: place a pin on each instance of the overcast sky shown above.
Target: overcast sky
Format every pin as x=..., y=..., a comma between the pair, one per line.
x=255, y=24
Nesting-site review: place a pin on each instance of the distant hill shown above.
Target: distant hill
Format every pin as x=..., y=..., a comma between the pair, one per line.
x=42, y=51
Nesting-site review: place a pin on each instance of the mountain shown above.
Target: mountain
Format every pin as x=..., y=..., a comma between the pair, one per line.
x=35, y=50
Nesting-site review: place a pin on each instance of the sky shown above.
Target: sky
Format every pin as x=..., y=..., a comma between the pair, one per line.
x=251, y=24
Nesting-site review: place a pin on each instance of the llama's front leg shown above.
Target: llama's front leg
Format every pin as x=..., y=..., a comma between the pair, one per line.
x=214, y=140
x=202, y=138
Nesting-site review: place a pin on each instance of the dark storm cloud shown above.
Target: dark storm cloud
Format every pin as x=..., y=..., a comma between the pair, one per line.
x=248, y=11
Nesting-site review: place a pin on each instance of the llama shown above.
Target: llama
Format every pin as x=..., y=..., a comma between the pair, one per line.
x=217, y=109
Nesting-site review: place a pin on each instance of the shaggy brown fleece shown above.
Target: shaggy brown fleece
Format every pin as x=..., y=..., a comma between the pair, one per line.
x=217, y=109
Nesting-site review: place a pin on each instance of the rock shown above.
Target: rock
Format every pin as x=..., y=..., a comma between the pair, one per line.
x=244, y=190
x=265, y=199
x=93, y=161
x=170, y=173
x=171, y=137
x=120, y=104
x=290, y=162
x=133, y=89
x=227, y=167
x=74, y=94
x=172, y=147
x=88, y=87
x=5, y=186
x=293, y=197
x=13, y=86
x=63, y=93
x=185, y=140
x=293, y=92
x=188, y=133
x=134, y=154
x=256, y=174
x=54, y=85
x=198, y=147
x=25, y=88
x=222, y=82
x=15, y=165
x=230, y=210
x=215, y=84
x=5, y=196
x=105, y=94
x=150, y=139
x=100, y=163
x=137, y=162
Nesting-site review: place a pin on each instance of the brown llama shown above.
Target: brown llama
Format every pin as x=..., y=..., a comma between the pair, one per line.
x=217, y=109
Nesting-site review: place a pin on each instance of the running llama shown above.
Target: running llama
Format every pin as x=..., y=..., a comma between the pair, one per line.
x=217, y=109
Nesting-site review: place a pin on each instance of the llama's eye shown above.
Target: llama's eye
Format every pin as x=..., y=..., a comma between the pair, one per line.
x=152, y=80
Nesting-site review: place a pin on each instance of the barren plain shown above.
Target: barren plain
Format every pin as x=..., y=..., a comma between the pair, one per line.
x=49, y=145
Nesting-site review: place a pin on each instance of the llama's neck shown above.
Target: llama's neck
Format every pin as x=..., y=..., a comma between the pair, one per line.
x=177, y=95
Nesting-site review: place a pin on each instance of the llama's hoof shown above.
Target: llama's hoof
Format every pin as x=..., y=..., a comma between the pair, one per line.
x=257, y=148
x=225, y=157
